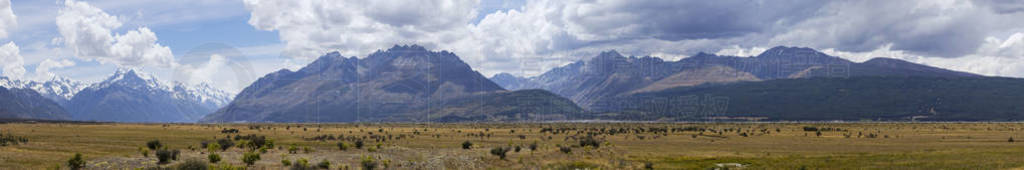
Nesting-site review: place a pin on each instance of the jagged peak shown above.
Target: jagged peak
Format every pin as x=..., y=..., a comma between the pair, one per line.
x=703, y=54
x=784, y=51
x=407, y=48
x=130, y=73
x=133, y=78
x=504, y=75
x=609, y=54
x=403, y=50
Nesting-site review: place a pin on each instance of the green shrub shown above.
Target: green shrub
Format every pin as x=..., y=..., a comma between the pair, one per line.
x=214, y=158
x=501, y=152
x=359, y=144
x=163, y=156
x=301, y=164
x=467, y=145
x=213, y=147
x=225, y=143
x=293, y=149
x=533, y=146
x=306, y=149
x=590, y=141
x=6, y=140
x=250, y=158
x=565, y=149
x=368, y=163
x=256, y=142
x=76, y=162
x=342, y=146
x=286, y=162
x=174, y=154
x=154, y=144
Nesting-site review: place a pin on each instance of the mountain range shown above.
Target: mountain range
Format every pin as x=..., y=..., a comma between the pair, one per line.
x=58, y=89
x=408, y=83
x=126, y=96
x=131, y=96
x=597, y=83
x=20, y=103
x=404, y=83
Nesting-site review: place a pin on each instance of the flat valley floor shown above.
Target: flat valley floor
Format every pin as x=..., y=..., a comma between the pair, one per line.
x=558, y=145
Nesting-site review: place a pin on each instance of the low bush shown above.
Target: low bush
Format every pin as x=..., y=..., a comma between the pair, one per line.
x=301, y=164
x=225, y=143
x=154, y=145
x=164, y=156
x=213, y=158
x=368, y=163
x=6, y=140
x=590, y=141
x=250, y=158
x=212, y=147
x=565, y=149
x=342, y=146
x=293, y=149
x=76, y=162
x=501, y=152
x=467, y=145
x=174, y=154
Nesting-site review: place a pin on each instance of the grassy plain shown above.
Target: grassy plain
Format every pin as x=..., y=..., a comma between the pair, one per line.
x=622, y=145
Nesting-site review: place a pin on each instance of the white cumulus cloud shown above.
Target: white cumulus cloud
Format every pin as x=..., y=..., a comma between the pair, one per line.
x=7, y=18
x=43, y=69
x=310, y=28
x=11, y=61
x=87, y=31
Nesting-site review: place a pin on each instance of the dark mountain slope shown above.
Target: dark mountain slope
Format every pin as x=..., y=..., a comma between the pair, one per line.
x=593, y=83
x=27, y=104
x=855, y=98
x=403, y=83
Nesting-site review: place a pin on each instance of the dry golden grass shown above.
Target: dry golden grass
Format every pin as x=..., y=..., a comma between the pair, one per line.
x=437, y=146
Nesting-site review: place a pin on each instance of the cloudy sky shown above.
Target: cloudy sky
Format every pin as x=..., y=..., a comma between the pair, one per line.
x=230, y=43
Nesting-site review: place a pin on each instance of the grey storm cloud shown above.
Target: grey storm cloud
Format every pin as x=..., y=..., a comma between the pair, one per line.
x=546, y=34
x=678, y=20
x=932, y=28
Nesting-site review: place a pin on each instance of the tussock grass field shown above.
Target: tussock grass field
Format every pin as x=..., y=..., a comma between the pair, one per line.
x=618, y=145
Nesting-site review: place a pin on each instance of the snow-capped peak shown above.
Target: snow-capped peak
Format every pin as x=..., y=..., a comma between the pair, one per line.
x=133, y=79
x=11, y=83
x=138, y=80
x=202, y=92
x=58, y=88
